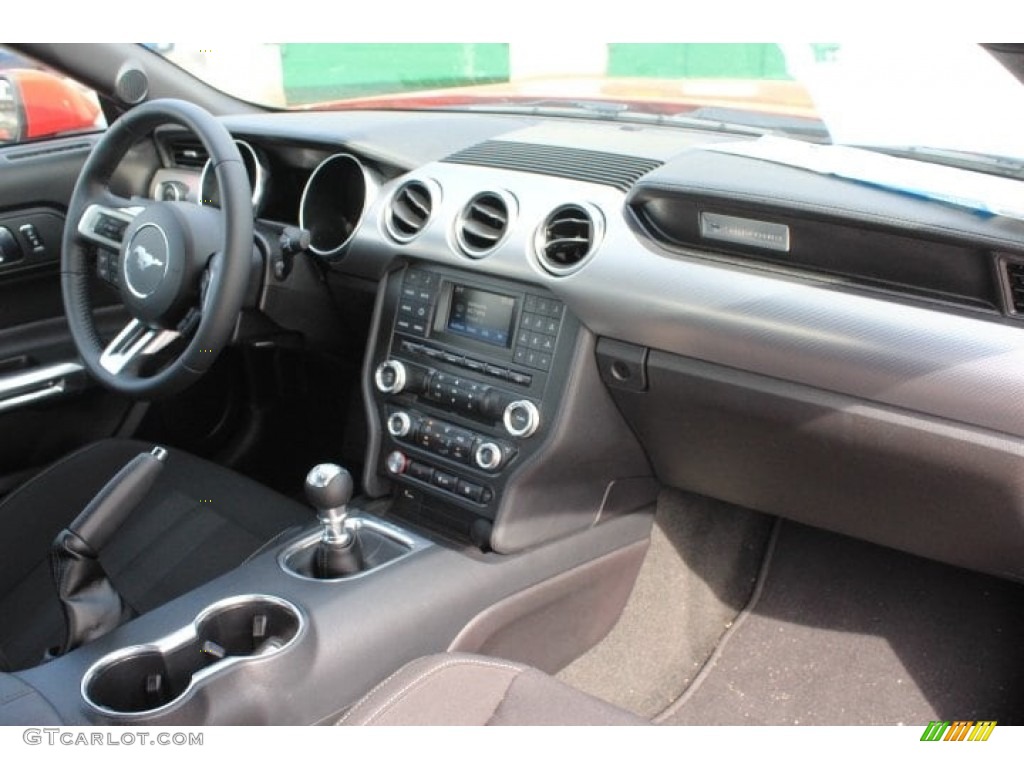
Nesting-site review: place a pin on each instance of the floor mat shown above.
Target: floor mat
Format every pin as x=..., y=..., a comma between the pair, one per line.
x=698, y=574
x=845, y=632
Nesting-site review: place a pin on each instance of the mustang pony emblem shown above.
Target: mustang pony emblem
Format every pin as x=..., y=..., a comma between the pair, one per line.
x=145, y=258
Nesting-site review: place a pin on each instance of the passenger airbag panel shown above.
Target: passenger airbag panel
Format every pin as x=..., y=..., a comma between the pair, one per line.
x=948, y=272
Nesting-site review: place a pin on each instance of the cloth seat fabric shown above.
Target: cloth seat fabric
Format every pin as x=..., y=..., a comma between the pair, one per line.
x=197, y=522
x=466, y=689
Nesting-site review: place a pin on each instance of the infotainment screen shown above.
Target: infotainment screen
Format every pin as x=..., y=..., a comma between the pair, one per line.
x=481, y=315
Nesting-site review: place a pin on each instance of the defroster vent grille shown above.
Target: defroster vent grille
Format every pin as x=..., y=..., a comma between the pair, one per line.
x=607, y=168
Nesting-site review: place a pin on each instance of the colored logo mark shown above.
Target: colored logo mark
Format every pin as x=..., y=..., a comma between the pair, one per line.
x=958, y=730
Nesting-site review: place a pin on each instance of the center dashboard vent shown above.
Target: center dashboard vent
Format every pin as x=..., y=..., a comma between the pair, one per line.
x=606, y=168
x=409, y=211
x=483, y=223
x=187, y=152
x=568, y=237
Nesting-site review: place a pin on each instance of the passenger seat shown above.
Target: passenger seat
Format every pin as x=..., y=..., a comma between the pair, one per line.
x=464, y=689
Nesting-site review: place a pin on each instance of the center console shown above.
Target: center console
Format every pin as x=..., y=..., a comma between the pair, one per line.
x=468, y=376
x=267, y=644
x=489, y=424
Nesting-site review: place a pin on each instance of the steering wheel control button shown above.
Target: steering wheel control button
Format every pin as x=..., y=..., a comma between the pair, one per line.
x=108, y=266
x=390, y=377
x=110, y=227
x=521, y=418
x=146, y=260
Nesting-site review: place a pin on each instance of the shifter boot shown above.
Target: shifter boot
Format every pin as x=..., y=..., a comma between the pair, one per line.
x=333, y=560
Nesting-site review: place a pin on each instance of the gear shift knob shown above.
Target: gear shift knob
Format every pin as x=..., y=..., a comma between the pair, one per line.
x=329, y=488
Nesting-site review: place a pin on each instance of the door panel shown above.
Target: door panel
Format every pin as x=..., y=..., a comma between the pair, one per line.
x=48, y=406
x=41, y=172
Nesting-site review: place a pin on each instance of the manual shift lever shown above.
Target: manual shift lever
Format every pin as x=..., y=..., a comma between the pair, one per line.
x=329, y=489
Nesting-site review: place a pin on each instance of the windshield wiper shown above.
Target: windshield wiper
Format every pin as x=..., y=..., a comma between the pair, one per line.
x=998, y=165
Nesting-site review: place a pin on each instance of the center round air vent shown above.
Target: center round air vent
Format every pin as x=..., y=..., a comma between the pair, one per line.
x=568, y=237
x=483, y=223
x=409, y=211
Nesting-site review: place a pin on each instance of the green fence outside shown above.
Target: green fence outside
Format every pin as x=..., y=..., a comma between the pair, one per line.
x=324, y=71
x=758, y=61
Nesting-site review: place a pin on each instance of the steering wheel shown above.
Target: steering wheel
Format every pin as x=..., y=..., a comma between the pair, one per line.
x=182, y=269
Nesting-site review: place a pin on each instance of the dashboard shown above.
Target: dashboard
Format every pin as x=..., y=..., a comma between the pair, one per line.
x=568, y=314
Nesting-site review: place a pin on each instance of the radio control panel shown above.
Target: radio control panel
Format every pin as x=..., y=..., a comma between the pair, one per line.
x=467, y=376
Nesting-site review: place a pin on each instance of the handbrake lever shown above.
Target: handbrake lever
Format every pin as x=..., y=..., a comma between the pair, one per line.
x=91, y=605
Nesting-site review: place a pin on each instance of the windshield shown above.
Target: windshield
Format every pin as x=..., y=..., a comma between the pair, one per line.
x=905, y=97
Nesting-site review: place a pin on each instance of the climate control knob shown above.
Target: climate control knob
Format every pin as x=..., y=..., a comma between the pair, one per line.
x=399, y=424
x=488, y=456
x=390, y=377
x=397, y=462
x=521, y=418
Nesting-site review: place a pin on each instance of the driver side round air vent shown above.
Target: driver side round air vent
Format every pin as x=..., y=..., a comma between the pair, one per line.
x=483, y=223
x=568, y=237
x=410, y=210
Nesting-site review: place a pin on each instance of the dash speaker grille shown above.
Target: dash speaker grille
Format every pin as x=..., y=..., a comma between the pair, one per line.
x=131, y=85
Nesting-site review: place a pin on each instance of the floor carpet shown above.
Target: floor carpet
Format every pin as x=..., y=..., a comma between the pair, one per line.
x=845, y=632
x=698, y=574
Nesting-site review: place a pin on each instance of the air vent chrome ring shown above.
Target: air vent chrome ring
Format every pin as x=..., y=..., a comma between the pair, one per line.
x=411, y=209
x=484, y=223
x=255, y=168
x=568, y=238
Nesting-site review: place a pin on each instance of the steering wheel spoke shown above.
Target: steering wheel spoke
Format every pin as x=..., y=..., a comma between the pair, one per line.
x=188, y=324
x=132, y=345
x=105, y=225
x=154, y=253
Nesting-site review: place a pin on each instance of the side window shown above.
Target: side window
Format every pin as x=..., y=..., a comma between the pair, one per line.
x=38, y=103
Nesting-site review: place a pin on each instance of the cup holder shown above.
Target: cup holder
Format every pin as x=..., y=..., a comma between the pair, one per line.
x=146, y=678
